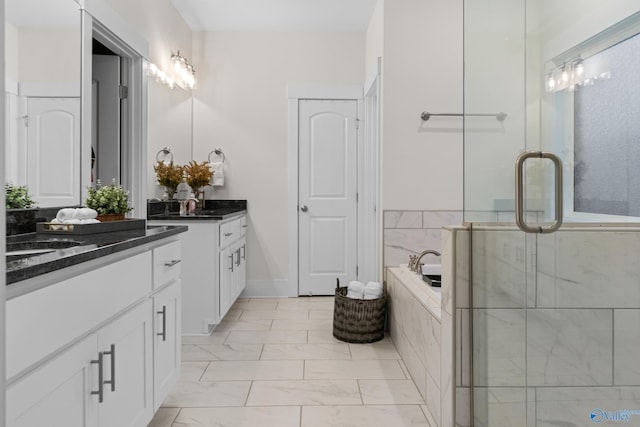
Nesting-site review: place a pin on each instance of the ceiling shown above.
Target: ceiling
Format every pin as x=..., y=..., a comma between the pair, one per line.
x=276, y=15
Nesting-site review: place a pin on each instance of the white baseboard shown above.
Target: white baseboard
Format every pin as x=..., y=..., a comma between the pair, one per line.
x=269, y=288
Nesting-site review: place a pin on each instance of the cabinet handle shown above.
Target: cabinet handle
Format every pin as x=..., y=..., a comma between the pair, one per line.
x=100, y=391
x=244, y=251
x=227, y=234
x=172, y=262
x=244, y=226
x=238, y=259
x=231, y=256
x=112, y=353
x=163, y=334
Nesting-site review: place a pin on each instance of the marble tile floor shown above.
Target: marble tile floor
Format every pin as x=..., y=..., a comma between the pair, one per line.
x=274, y=363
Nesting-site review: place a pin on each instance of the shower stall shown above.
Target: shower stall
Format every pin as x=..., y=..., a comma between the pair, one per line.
x=552, y=202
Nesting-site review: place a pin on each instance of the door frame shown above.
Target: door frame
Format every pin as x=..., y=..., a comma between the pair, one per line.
x=101, y=22
x=321, y=92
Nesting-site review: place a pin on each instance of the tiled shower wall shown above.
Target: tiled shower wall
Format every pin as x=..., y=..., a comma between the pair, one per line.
x=410, y=232
x=556, y=327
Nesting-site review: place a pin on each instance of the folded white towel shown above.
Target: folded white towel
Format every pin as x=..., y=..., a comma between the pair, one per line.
x=65, y=214
x=86, y=213
x=432, y=269
x=218, y=174
x=355, y=290
x=373, y=290
x=76, y=216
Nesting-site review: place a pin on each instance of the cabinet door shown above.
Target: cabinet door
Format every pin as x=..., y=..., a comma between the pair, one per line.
x=166, y=342
x=58, y=393
x=227, y=270
x=241, y=281
x=128, y=400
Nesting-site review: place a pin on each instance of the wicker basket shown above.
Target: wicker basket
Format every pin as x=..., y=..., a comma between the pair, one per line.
x=358, y=320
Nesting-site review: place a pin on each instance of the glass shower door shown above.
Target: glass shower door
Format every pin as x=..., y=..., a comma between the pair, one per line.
x=553, y=320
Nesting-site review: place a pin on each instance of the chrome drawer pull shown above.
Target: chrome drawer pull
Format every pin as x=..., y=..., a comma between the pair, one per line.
x=163, y=334
x=227, y=234
x=100, y=391
x=112, y=353
x=172, y=262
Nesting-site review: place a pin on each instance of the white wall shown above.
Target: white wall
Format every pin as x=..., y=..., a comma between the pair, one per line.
x=374, y=42
x=160, y=24
x=422, y=70
x=11, y=52
x=169, y=125
x=49, y=55
x=241, y=107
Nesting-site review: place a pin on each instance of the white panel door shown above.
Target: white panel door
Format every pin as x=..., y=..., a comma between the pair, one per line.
x=327, y=213
x=53, y=143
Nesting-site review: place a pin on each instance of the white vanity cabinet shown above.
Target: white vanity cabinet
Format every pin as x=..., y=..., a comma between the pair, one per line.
x=88, y=350
x=233, y=265
x=211, y=248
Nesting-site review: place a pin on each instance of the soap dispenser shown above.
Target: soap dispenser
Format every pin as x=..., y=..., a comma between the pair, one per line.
x=182, y=194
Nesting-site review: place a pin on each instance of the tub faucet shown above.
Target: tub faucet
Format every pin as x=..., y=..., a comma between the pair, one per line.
x=414, y=260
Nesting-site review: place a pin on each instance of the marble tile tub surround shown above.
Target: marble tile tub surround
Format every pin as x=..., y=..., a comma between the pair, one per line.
x=415, y=329
x=410, y=232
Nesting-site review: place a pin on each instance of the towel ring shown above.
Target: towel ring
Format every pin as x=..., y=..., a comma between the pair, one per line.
x=165, y=151
x=218, y=152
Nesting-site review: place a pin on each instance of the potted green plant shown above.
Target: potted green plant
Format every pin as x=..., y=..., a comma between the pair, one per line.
x=17, y=197
x=110, y=201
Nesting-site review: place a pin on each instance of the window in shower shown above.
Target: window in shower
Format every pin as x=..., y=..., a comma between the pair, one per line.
x=606, y=132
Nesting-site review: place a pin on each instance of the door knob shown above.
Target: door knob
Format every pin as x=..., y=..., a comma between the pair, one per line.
x=304, y=208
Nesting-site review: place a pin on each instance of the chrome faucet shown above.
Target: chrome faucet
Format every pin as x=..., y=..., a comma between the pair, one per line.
x=414, y=260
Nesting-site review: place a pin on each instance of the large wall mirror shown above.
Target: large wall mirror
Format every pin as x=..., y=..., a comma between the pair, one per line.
x=43, y=68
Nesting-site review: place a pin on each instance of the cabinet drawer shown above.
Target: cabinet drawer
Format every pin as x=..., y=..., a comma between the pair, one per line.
x=166, y=263
x=55, y=315
x=229, y=232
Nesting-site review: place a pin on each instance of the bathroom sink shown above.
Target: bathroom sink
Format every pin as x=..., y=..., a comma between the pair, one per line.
x=18, y=250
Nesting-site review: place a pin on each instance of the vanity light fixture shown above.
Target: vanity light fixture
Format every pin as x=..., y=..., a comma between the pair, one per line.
x=569, y=75
x=186, y=75
x=161, y=76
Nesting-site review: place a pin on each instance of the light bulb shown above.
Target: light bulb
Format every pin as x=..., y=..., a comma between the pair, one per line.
x=551, y=83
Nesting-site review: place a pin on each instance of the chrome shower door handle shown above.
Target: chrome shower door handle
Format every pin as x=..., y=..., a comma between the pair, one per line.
x=520, y=221
x=304, y=208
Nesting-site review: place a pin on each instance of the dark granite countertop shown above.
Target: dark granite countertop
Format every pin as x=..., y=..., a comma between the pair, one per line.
x=213, y=210
x=92, y=246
